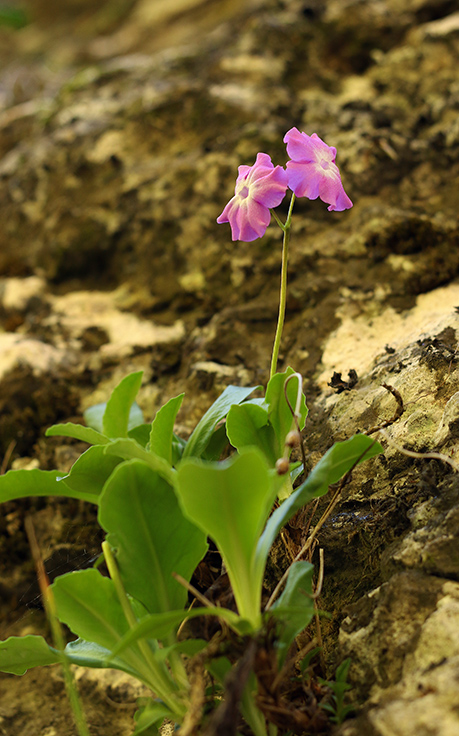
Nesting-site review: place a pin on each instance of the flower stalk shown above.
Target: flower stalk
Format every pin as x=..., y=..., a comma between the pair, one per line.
x=283, y=286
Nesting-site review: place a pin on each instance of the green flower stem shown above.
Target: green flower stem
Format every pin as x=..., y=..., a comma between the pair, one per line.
x=283, y=287
x=158, y=683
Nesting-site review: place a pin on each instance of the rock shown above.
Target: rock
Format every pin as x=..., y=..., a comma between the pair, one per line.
x=117, y=333
x=413, y=668
x=18, y=350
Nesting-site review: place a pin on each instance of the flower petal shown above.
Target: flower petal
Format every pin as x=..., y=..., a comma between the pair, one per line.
x=270, y=190
x=312, y=171
x=303, y=179
x=253, y=220
x=258, y=188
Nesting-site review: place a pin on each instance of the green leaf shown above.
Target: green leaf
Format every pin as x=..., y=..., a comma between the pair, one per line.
x=335, y=463
x=120, y=413
x=159, y=625
x=19, y=653
x=78, y=432
x=218, y=411
x=13, y=17
x=178, y=446
x=129, y=449
x=216, y=445
x=219, y=668
x=280, y=416
x=153, y=539
x=141, y=434
x=94, y=416
x=88, y=603
x=136, y=418
x=295, y=607
x=162, y=428
x=151, y=713
x=89, y=654
x=21, y=483
x=246, y=425
x=230, y=501
x=89, y=473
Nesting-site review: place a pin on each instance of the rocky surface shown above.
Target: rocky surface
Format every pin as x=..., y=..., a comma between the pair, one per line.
x=121, y=129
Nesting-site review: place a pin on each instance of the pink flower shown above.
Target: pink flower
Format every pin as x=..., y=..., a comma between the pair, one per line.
x=258, y=188
x=312, y=172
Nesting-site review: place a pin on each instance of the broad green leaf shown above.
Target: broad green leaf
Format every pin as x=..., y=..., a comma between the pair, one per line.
x=88, y=603
x=162, y=428
x=178, y=446
x=20, y=653
x=159, y=625
x=218, y=411
x=35, y=482
x=153, y=539
x=280, y=415
x=295, y=607
x=120, y=413
x=335, y=463
x=129, y=449
x=295, y=471
x=246, y=425
x=216, y=445
x=136, y=418
x=151, y=713
x=13, y=17
x=94, y=416
x=219, y=668
x=230, y=502
x=89, y=654
x=89, y=473
x=78, y=432
x=141, y=434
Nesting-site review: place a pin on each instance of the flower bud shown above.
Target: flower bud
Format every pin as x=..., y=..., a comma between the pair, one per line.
x=293, y=439
x=282, y=466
